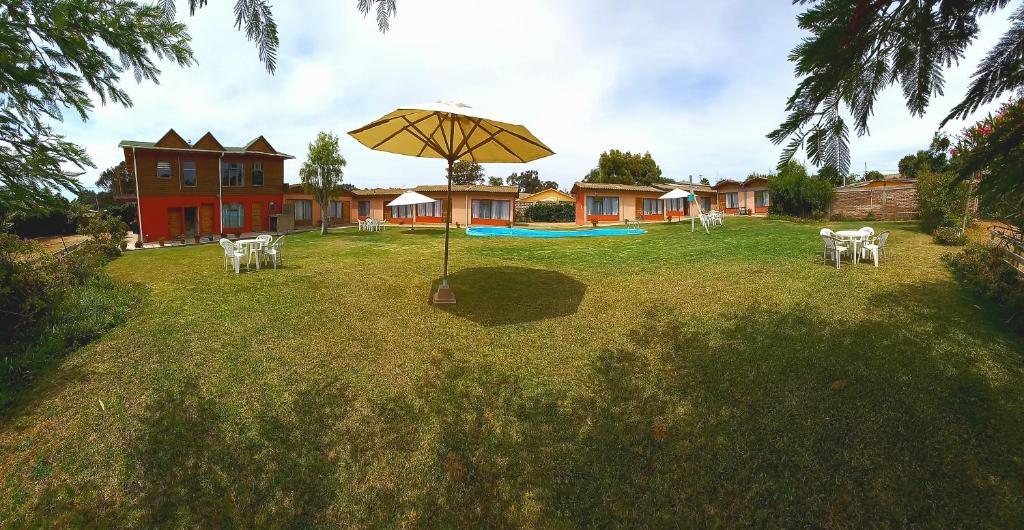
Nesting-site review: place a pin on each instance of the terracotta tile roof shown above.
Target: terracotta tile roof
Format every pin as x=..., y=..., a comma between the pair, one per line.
x=614, y=187
x=432, y=188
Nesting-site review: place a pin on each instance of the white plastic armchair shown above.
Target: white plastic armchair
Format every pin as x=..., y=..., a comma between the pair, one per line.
x=231, y=254
x=362, y=224
x=274, y=251
x=833, y=246
x=876, y=246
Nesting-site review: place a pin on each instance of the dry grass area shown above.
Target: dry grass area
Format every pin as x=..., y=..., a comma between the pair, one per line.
x=670, y=379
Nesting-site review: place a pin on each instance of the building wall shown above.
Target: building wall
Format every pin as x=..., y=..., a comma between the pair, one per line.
x=627, y=206
x=745, y=198
x=315, y=218
x=165, y=202
x=884, y=203
x=461, y=208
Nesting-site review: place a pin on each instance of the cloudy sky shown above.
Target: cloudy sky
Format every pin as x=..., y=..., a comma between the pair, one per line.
x=696, y=83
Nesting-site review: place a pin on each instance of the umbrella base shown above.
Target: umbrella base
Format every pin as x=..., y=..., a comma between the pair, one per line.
x=444, y=295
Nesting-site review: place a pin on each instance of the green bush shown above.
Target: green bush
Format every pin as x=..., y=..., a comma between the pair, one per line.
x=550, y=212
x=948, y=235
x=983, y=270
x=795, y=193
x=941, y=202
x=51, y=305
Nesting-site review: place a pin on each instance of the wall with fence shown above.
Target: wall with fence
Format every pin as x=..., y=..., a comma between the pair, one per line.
x=893, y=203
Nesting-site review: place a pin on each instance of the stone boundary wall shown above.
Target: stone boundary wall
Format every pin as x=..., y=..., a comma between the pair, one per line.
x=895, y=203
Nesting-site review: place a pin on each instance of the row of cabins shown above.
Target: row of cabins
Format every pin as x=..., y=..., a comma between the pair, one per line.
x=598, y=203
x=203, y=188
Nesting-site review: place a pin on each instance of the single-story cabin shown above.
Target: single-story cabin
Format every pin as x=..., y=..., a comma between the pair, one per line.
x=616, y=203
x=743, y=198
x=305, y=209
x=471, y=205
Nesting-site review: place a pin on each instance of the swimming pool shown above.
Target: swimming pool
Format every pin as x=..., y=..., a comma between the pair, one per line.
x=526, y=232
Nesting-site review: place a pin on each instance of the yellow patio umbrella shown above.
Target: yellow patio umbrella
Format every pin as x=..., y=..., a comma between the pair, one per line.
x=451, y=131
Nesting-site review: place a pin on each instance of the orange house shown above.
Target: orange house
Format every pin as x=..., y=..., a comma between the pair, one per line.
x=472, y=205
x=617, y=203
x=305, y=209
x=199, y=189
x=742, y=198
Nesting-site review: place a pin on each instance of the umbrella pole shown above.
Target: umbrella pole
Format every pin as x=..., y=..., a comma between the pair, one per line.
x=444, y=294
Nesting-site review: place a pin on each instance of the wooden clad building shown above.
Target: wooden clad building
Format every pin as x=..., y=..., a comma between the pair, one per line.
x=203, y=188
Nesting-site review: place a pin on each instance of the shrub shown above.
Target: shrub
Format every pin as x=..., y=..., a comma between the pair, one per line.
x=795, y=193
x=942, y=202
x=982, y=270
x=948, y=235
x=51, y=305
x=550, y=212
x=106, y=232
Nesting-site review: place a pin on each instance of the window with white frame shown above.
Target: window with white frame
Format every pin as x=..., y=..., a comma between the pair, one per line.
x=302, y=210
x=675, y=205
x=163, y=169
x=602, y=206
x=653, y=207
x=760, y=198
x=401, y=211
x=364, y=208
x=234, y=215
x=732, y=200
x=431, y=209
x=257, y=173
x=188, y=173
x=488, y=209
x=232, y=174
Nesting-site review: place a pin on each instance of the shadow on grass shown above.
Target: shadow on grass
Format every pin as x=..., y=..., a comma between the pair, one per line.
x=497, y=296
x=762, y=417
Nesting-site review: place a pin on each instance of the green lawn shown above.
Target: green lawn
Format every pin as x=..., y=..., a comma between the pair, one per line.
x=671, y=379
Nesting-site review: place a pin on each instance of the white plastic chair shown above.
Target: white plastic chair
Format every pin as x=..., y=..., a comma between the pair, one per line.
x=832, y=245
x=274, y=251
x=232, y=254
x=876, y=246
x=381, y=224
x=362, y=224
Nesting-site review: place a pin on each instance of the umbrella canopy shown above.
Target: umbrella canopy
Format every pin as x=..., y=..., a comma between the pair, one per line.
x=450, y=131
x=409, y=198
x=675, y=194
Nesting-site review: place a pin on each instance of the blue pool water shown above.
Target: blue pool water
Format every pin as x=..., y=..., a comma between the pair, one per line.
x=526, y=232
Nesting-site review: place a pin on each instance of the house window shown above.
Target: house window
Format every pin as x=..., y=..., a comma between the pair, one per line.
x=188, y=173
x=364, y=208
x=732, y=200
x=337, y=209
x=487, y=209
x=675, y=205
x=163, y=170
x=303, y=210
x=760, y=198
x=602, y=205
x=234, y=215
x=653, y=207
x=257, y=173
x=402, y=211
x=232, y=174
x=273, y=206
x=433, y=209
x=705, y=204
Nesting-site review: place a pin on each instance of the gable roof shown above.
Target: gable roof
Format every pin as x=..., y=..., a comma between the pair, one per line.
x=260, y=144
x=207, y=141
x=437, y=188
x=558, y=195
x=173, y=140
x=659, y=188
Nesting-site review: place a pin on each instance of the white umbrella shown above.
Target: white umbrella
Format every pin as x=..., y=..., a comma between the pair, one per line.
x=675, y=194
x=411, y=198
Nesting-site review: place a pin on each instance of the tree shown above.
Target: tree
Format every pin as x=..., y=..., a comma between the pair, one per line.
x=705, y=181
x=831, y=175
x=529, y=182
x=874, y=175
x=858, y=48
x=322, y=173
x=467, y=172
x=624, y=167
x=793, y=192
x=495, y=181
x=932, y=160
x=61, y=55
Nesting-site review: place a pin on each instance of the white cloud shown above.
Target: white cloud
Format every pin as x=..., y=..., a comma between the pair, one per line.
x=698, y=84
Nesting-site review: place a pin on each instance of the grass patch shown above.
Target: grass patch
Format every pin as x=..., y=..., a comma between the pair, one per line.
x=671, y=379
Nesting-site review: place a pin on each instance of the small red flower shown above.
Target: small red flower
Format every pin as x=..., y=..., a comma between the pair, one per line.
x=952, y=151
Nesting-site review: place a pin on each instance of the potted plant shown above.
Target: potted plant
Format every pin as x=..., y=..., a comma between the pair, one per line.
x=593, y=222
x=161, y=242
x=138, y=243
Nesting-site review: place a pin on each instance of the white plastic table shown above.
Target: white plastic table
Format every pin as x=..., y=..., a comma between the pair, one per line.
x=855, y=237
x=246, y=244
